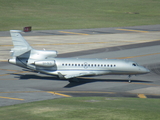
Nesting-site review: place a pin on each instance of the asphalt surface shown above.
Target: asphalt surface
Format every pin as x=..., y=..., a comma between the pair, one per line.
x=18, y=85
x=115, y=30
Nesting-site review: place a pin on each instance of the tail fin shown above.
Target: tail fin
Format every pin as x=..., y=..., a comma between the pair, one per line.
x=20, y=44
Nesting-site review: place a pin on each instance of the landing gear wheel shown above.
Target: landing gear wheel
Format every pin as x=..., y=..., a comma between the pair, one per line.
x=129, y=81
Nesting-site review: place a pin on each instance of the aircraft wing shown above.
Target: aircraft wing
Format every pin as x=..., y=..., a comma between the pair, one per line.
x=68, y=76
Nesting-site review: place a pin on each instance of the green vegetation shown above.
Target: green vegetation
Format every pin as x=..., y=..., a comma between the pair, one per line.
x=76, y=14
x=84, y=108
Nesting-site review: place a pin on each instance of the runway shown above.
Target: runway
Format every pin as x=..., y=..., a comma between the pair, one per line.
x=21, y=86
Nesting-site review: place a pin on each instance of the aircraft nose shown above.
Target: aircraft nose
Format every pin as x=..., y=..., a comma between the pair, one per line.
x=145, y=70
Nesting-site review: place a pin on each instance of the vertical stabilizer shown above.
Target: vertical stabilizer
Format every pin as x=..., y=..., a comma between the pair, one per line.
x=20, y=44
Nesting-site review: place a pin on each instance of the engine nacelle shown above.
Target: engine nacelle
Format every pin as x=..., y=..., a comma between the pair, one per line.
x=43, y=54
x=45, y=63
x=48, y=53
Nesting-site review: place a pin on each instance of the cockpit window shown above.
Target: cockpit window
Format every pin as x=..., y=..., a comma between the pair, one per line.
x=134, y=64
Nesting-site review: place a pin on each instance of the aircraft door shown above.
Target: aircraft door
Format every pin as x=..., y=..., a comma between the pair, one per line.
x=85, y=65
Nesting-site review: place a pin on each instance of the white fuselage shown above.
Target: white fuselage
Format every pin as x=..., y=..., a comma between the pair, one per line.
x=82, y=67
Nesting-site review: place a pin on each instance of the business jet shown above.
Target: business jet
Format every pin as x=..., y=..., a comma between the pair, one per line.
x=46, y=62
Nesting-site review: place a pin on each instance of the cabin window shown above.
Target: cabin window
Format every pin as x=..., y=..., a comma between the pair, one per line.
x=114, y=65
x=104, y=65
x=88, y=65
x=82, y=65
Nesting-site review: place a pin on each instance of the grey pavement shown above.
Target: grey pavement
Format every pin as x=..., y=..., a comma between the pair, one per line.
x=73, y=43
x=141, y=43
x=92, y=31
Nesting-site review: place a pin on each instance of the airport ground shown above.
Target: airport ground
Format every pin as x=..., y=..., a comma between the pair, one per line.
x=140, y=44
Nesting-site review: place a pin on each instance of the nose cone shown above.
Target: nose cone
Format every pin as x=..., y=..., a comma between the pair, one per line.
x=144, y=70
x=147, y=71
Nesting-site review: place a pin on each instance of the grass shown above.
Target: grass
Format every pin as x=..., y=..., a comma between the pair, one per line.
x=84, y=108
x=72, y=14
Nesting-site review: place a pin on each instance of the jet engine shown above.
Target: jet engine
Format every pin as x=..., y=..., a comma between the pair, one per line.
x=42, y=54
x=44, y=63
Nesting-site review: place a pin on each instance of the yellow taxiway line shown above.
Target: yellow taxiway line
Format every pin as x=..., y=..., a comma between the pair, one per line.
x=133, y=30
x=10, y=70
x=55, y=93
x=4, y=74
x=148, y=84
x=11, y=98
x=141, y=96
x=14, y=73
x=85, y=92
x=73, y=33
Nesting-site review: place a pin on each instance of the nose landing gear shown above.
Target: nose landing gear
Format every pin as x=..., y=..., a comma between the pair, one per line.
x=129, y=80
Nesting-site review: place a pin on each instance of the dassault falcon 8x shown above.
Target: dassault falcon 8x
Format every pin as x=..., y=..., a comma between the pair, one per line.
x=45, y=61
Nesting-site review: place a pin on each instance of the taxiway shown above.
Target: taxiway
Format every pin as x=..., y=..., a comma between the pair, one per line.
x=21, y=86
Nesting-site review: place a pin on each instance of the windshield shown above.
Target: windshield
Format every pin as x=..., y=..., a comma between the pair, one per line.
x=134, y=64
